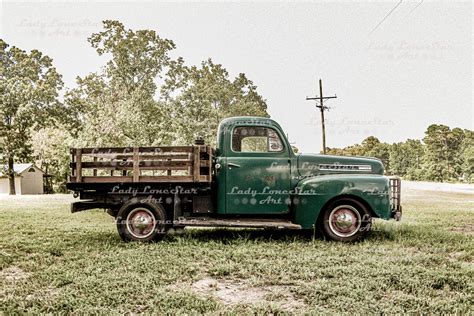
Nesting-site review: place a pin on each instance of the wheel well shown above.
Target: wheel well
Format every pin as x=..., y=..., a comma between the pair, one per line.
x=347, y=196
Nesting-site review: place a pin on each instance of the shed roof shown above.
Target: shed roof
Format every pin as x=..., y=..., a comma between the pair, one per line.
x=18, y=168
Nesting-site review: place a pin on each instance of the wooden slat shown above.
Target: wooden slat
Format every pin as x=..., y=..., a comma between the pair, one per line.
x=165, y=164
x=129, y=150
x=107, y=150
x=196, y=163
x=165, y=156
x=157, y=168
x=204, y=163
x=136, y=161
x=166, y=149
x=157, y=179
x=209, y=151
x=166, y=179
x=87, y=179
x=111, y=156
x=73, y=159
x=150, y=156
x=203, y=179
x=163, y=168
x=95, y=170
x=169, y=170
x=78, y=165
x=144, y=164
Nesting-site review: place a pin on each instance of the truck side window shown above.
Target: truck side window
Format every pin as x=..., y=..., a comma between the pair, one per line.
x=255, y=139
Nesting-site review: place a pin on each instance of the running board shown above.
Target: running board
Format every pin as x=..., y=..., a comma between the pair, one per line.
x=241, y=222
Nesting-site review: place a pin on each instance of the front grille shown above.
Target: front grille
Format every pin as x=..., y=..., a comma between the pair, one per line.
x=395, y=195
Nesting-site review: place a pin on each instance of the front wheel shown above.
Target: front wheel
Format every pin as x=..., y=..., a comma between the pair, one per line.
x=141, y=221
x=345, y=220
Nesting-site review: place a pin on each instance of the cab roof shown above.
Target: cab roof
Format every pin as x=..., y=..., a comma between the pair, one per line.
x=250, y=120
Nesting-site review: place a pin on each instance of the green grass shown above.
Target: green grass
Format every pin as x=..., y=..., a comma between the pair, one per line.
x=54, y=261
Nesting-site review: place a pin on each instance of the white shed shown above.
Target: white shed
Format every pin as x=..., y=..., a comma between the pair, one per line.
x=28, y=179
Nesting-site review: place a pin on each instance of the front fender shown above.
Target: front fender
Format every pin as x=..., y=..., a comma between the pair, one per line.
x=312, y=194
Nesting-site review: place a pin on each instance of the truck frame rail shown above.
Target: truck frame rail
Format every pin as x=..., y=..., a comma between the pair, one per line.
x=179, y=164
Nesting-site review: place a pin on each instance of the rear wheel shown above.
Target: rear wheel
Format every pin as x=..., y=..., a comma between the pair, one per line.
x=345, y=220
x=141, y=221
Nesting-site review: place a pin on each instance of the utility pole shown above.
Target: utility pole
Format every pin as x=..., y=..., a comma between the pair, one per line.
x=321, y=106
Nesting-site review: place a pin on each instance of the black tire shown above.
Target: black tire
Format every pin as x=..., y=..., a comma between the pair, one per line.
x=345, y=220
x=141, y=221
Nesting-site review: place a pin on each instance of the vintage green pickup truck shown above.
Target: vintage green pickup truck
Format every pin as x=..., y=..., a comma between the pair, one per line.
x=252, y=179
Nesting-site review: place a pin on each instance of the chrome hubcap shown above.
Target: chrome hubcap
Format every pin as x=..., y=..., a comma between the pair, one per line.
x=141, y=222
x=344, y=221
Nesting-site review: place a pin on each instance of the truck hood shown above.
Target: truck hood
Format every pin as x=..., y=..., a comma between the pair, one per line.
x=315, y=164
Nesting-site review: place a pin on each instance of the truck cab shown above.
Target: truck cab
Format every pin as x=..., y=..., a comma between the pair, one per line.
x=251, y=179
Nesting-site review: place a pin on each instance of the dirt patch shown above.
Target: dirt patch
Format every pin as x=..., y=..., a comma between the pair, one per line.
x=14, y=274
x=467, y=229
x=49, y=292
x=234, y=293
x=456, y=256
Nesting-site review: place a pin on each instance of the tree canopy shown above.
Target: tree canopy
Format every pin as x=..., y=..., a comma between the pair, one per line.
x=444, y=154
x=144, y=97
x=29, y=88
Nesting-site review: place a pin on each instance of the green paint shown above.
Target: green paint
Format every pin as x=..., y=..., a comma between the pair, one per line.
x=265, y=182
x=316, y=191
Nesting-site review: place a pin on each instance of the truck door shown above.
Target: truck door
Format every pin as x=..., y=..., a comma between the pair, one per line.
x=257, y=172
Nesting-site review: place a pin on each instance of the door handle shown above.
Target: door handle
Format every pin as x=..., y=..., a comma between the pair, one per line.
x=230, y=164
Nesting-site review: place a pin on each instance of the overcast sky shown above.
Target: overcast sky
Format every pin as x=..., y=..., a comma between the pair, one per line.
x=391, y=81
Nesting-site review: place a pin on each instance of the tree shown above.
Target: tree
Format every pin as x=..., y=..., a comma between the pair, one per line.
x=124, y=106
x=467, y=154
x=51, y=151
x=110, y=117
x=137, y=57
x=371, y=147
x=370, y=143
x=335, y=151
x=405, y=158
x=200, y=97
x=442, y=157
x=117, y=106
x=29, y=86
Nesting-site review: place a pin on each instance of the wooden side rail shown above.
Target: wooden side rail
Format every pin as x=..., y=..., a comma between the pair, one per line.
x=142, y=164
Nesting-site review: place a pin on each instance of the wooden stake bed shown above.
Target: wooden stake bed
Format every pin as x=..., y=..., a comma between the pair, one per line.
x=177, y=164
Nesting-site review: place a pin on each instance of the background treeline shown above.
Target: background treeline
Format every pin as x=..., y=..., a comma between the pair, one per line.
x=443, y=155
x=144, y=95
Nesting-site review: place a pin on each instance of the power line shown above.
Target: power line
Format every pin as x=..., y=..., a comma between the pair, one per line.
x=385, y=17
x=419, y=3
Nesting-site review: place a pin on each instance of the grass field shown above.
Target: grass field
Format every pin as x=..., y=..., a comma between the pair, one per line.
x=54, y=261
